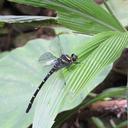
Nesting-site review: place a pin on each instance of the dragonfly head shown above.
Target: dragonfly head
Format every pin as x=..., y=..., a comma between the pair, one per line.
x=74, y=57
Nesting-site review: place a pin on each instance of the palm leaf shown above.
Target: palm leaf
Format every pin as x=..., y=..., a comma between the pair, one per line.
x=83, y=16
x=78, y=82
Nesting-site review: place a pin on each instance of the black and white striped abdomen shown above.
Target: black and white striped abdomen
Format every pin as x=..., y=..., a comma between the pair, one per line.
x=38, y=89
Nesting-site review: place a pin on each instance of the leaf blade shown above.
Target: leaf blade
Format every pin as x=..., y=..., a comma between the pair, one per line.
x=83, y=16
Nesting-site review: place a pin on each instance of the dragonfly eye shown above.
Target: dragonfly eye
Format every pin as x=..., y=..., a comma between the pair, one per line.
x=74, y=57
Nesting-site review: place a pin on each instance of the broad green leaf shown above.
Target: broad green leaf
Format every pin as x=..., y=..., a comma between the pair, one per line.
x=22, y=19
x=83, y=16
x=20, y=74
x=2, y=54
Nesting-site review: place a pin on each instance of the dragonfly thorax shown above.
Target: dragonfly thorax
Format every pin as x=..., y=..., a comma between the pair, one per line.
x=68, y=59
x=64, y=61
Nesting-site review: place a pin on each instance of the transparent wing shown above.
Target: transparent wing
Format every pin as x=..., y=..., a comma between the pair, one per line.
x=47, y=59
x=56, y=46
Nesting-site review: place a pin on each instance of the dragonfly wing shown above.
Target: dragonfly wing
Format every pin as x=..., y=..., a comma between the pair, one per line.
x=56, y=46
x=47, y=59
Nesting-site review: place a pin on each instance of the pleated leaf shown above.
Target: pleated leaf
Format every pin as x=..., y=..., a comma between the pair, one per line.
x=84, y=15
x=78, y=81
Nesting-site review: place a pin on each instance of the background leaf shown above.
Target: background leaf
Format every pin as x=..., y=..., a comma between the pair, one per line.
x=113, y=92
x=98, y=122
x=119, y=9
x=83, y=16
x=1, y=24
x=22, y=19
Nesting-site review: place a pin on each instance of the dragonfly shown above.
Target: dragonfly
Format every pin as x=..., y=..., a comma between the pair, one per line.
x=48, y=58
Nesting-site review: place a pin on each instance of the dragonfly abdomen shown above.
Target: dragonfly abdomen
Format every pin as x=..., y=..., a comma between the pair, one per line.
x=61, y=62
x=38, y=89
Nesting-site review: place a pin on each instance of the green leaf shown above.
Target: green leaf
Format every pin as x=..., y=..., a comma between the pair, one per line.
x=77, y=81
x=20, y=74
x=119, y=9
x=1, y=24
x=122, y=124
x=83, y=16
x=2, y=54
x=112, y=92
x=98, y=123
